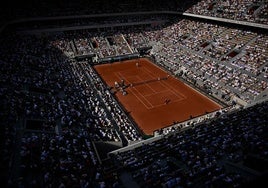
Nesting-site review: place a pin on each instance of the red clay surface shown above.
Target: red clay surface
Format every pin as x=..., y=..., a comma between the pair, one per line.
x=145, y=102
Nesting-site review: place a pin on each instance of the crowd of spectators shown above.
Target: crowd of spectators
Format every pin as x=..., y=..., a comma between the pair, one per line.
x=122, y=121
x=65, y=160
x=217, y=57
x=40, y=81
x=103, y=45
x=224, y=61
x=209, y=154
x=244, y=10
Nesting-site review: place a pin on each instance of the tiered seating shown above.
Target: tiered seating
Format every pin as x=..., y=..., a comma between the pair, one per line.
x=49, y=98
x=213, y=154
x=55, y=108
x=211, y=53
x=245, y=10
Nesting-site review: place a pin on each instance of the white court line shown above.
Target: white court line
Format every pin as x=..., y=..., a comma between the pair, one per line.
x=147, y=84
x=163, y=91
x=143, y=96
x=179, y=98
x=178, y=94
x=135, y=94
x=141, y=99
x=166, y=86
x=193, y=90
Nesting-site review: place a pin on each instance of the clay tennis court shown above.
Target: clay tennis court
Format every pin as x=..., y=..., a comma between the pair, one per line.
x=154, y=99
